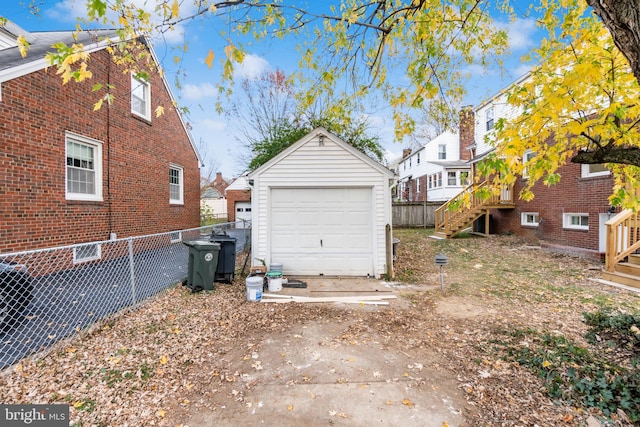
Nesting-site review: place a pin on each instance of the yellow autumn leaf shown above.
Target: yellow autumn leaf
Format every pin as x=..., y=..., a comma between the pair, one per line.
x=159, y=111
x=408, y=403
x=161, y=413
x=290, y=408
x=23, y=45
x=163, y=360
x=546, y=364
x=209, y=59
x=175, y=9
x=96, y=107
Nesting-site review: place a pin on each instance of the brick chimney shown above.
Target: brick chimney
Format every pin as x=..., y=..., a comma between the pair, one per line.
x=467, y=131
x=406, y=152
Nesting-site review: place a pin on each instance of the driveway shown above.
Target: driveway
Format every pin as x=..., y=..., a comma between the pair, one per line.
x=326, y=372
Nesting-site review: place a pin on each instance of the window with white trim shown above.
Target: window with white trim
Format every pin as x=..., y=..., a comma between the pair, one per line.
x=439, y=178
x=176, y=184
x=490, y=118
x=527, y=157
x=418, y=159
x=576, y=221
x=442, y=152
x=597, y=169
x=452, y=179
x=531, y=219
x=84, y=168
x=175, y=236
x=418, y=185
x=464, y=178
x=85, y=253
x=140, y=98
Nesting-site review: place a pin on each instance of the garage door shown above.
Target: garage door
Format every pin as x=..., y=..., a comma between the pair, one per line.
x=243, y=212
x=322, y=230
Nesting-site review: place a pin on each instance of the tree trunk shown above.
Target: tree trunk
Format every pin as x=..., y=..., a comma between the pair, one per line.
x=622, y=18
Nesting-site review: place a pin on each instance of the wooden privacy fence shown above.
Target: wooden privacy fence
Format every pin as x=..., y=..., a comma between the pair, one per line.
x=414, y=214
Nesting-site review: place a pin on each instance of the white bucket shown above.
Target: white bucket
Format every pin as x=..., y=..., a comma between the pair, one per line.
x=254, y=288
x=275, y=281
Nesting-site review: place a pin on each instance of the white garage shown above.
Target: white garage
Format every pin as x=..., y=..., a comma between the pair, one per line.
x=321, y=208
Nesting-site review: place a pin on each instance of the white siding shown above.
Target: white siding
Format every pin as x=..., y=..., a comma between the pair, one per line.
x=309, y=163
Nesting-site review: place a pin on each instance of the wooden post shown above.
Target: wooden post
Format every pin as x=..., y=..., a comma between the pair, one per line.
x=389, y=248
x=486, y=223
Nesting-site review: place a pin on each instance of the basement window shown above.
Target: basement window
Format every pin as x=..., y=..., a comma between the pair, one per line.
x=576, y=221
x=530, y=219
x=85, y=253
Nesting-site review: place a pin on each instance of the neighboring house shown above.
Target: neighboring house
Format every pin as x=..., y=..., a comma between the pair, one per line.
x=73, y=175
x=213, y=204
x=438, y=170
x=322, y=207
x=219, y=183
x=238, y=195
x=567, y=217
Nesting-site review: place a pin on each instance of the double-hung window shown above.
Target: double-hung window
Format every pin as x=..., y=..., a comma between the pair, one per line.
x=442, y=152
x=597, y=169
x=176, y=184
x=140, y=97
x=451, y=179
x=490, y=118
x=84, y=168
x=527, y=157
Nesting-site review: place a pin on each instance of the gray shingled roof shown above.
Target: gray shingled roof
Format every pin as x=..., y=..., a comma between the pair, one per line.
x=41, y=41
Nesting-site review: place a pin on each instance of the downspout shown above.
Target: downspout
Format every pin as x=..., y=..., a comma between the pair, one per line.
x=112, y=234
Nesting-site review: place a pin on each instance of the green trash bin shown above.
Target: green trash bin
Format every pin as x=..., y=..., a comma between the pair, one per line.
x=203, y=259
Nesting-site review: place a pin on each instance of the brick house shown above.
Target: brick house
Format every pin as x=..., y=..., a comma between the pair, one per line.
x=567, y=217
x=238, y=195
x=74, y=175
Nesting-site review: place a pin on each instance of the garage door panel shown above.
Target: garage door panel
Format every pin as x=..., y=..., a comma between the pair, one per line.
x=340, y=218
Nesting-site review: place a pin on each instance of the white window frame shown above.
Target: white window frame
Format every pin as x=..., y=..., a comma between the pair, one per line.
x=175, y=237
x=490, y=118
x=526, y=157
x=418, y=185
x=439, y=178
x=146, y=97
x=418, y=159
x=96, y=145
x=453, y=175
x=567, y=221
x=180, y=169
x=587, y=174
x=98, y=253
x=529, y=219
x=442, y=151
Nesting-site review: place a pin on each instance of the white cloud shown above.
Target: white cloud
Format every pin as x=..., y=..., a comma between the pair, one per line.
x=71, y=10
x=215, y=125
x=251, y=67
x=199, y=91
x=521, y=33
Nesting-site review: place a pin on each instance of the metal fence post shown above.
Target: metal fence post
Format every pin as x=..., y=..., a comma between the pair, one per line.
x=132, y=273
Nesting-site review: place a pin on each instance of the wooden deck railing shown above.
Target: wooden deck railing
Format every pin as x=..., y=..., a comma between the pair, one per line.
x=467, y=201
x=622, y=237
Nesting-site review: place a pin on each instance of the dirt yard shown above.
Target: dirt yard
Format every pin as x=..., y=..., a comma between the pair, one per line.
x=429, y=358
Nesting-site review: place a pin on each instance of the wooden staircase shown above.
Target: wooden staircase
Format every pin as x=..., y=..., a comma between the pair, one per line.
x=622, y=263
x=460, y=212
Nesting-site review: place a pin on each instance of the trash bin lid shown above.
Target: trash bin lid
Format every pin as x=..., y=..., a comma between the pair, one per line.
x=203, y=245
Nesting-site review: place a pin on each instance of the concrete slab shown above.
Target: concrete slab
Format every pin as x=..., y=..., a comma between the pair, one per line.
x=319, y=374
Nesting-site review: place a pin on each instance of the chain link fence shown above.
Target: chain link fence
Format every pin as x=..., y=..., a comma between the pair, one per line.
x=50, y=294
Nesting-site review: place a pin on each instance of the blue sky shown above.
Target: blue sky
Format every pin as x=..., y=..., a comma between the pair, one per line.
x=212, y=131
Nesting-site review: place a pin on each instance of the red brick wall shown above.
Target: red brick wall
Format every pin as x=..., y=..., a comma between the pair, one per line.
x=466, y=132
x=35, y=112
x=573, y=194
x=234, y=196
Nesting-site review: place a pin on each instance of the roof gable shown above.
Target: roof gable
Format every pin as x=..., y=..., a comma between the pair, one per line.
x=321, y=136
